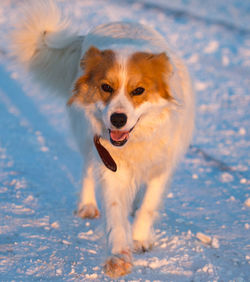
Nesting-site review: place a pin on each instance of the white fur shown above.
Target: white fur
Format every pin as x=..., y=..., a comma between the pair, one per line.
x=162, y=132
x=45, y=44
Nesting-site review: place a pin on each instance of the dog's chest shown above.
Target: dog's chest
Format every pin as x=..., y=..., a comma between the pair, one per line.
x=141, y=159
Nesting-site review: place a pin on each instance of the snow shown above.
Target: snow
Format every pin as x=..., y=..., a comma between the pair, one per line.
x=247, y=202
x=204, y=238
x=40, y=169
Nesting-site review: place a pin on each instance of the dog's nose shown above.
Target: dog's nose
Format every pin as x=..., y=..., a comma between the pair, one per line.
x=118, y=119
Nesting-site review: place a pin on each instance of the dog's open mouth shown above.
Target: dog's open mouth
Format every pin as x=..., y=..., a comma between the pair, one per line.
x=119, y=137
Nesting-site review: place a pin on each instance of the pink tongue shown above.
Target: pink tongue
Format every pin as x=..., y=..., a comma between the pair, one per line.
x=117, y=135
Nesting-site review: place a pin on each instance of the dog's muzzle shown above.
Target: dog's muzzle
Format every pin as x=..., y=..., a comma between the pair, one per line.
x=118, y=137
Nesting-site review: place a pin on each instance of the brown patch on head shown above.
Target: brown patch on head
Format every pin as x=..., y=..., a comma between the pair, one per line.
x=145, y=71
x=99, y=68
x=149, y=71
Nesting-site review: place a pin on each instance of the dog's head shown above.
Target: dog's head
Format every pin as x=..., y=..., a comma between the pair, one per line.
x=120, y=90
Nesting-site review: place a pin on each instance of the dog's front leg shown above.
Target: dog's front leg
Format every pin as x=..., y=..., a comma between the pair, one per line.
x=145, y=216
x=115, y=187
x=87, y=207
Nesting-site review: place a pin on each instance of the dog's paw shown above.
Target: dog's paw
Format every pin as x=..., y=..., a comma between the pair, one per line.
x=88, y=211
x=142, y=246
x=118, y=265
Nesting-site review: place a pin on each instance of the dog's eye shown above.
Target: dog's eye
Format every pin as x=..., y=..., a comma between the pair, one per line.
x=138, y=91
x=107, y=88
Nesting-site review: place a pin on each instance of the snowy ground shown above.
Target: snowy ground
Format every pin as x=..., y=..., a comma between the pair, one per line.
x=41, y=239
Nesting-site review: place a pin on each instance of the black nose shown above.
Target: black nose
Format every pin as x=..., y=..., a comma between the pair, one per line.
x=118, y=119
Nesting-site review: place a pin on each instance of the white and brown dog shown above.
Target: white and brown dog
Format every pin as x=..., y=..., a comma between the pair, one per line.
x=131, y=106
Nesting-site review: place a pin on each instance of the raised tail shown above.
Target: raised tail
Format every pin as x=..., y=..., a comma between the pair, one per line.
x=43, y=42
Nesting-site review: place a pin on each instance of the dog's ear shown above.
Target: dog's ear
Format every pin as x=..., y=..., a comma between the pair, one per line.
x=95, y=60
x=164, y=70
x=159, y=62
x=88, y=63
x=163, y=63
x=91, y=58
x=79, y=91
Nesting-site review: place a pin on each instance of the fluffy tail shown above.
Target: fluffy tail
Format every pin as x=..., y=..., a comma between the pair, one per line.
x=43, y=42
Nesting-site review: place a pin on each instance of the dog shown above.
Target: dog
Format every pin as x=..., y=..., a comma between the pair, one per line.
x=131, y=106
